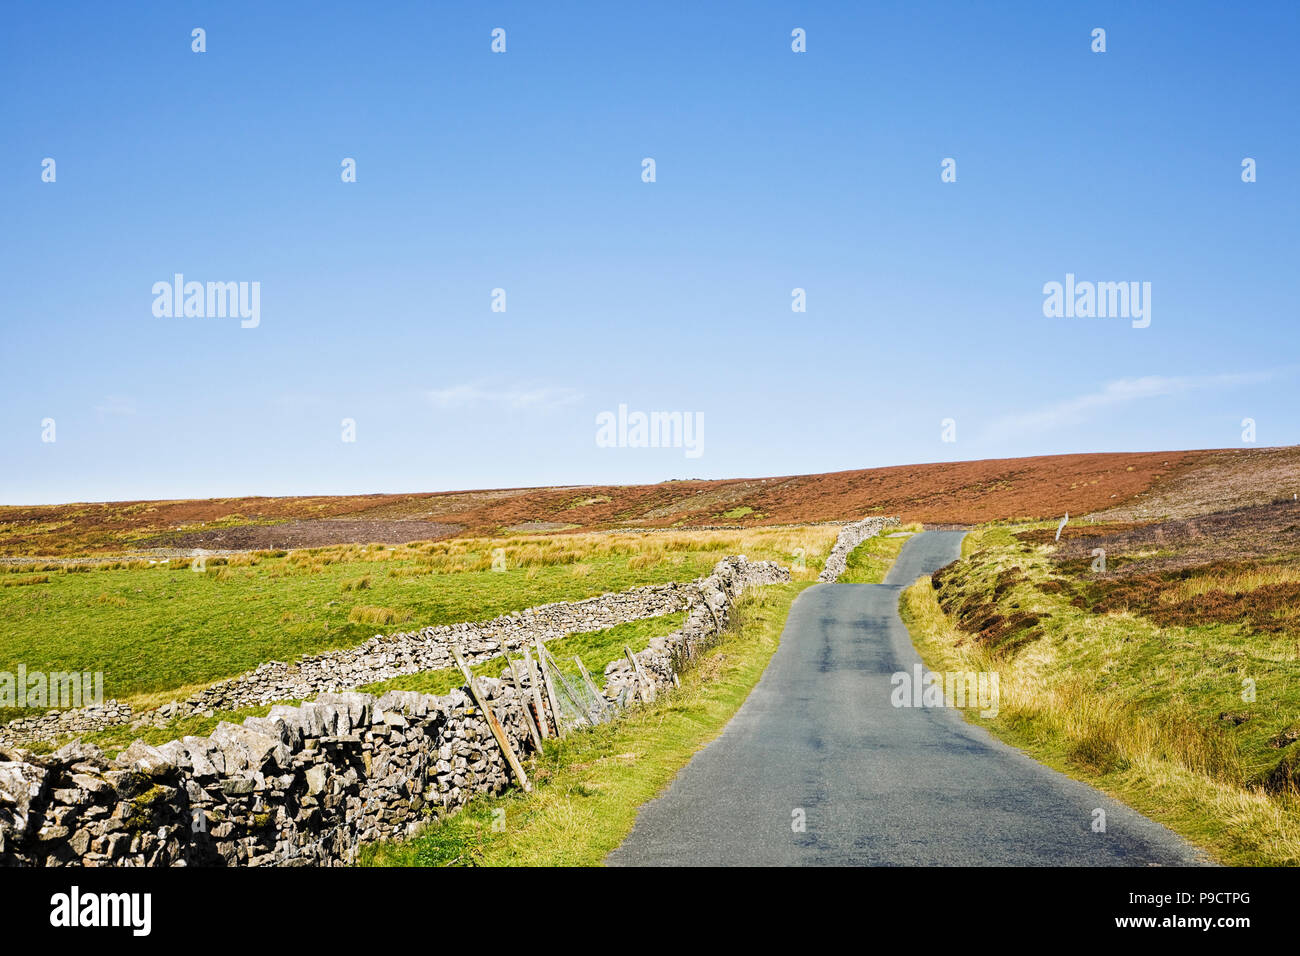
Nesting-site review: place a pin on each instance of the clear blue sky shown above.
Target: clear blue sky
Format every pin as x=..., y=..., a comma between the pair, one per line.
x=522, y=171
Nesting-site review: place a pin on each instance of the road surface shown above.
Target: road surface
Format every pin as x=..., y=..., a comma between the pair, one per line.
x=818, y=742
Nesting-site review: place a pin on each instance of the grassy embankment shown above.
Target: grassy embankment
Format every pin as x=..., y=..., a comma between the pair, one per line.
x=1157, y=714
x=588, y=787
x=161, y=631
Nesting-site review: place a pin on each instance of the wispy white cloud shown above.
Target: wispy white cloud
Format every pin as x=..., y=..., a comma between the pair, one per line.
x=1122, y=391
x=537, y=397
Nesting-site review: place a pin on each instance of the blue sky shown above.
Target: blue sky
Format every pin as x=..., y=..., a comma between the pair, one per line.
x=522, y=171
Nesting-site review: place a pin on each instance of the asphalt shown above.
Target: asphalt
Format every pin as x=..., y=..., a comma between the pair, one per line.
x=818, y=743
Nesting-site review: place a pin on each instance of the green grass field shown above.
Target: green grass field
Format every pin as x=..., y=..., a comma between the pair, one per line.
x=161, y=631
x=588, y=787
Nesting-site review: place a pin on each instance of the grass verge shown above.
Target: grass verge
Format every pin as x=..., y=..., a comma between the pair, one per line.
x=589, y=787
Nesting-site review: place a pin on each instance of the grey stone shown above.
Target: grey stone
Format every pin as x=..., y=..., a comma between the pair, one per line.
x=205, y=756
x=145, y=758
x=237, y=786
x=246, y=748
x=316, y=777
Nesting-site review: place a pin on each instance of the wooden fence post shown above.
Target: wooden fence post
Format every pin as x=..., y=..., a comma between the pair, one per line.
x=535, y=685
x=550, y=687
x=494, y=725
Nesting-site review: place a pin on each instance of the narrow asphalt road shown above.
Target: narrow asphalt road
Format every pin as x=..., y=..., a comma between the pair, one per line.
x=818, y=742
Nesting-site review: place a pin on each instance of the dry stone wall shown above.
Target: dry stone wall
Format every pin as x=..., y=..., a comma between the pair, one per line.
x=850, y=536
x=309, y=785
